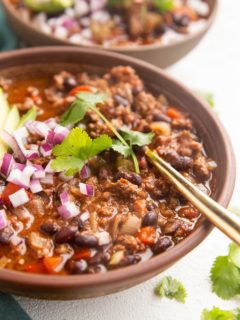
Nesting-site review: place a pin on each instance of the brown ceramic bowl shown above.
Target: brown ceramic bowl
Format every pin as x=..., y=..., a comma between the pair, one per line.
x=216, y=142
x=158, y=54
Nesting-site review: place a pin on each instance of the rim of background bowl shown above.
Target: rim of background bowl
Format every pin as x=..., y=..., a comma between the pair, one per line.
x=155, y=263
x=126, y=49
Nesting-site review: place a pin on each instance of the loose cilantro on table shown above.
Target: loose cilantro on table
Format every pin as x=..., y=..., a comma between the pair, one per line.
x=172, y=289
x=218, y=314
x=76, y=149
x=88, y=101
x=225, y=274
x=207, y=96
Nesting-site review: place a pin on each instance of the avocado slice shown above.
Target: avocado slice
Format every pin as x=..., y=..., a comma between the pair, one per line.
x=48, y=6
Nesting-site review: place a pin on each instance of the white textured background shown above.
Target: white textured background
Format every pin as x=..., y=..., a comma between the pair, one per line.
x=215, y=66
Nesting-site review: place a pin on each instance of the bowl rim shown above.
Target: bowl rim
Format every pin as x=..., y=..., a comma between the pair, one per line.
x=154, y=264
x=125, y=49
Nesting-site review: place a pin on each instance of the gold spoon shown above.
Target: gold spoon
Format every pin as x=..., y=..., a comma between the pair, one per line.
x=223, y=219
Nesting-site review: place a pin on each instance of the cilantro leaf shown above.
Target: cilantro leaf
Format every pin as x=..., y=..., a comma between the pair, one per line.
x=217, y=314
x=172, y=289
x=78, y=109
x=225, y=277
x=74, y=114
x=92, y=99
x=31, y=114
x=137, y=138
x=164, y=5
x=76, y=149
x=234, y=255
x=121, y=148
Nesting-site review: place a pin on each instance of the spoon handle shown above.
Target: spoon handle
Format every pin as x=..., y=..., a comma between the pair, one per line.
x=226, y=221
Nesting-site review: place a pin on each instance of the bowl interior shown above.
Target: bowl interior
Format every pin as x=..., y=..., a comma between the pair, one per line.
x=213, y=135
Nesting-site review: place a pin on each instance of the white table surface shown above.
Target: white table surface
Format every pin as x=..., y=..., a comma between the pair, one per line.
x=215, y=66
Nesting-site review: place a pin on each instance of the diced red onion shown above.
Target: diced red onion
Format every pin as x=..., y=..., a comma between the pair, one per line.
x=85, y=216
x=51, y=123
x=50, y=137
x=39, y=173
x=63, y=177
x=3, y=219
x=86, y=189
x=85, y=172
x=69, y=23
x=21, y=177
x=35, y=186
x=19, y=244
x=49, y=168
x=20, y=136
x=37, y=127
x=19, y=198
x=7, y=164
x=46, y=149
x=103, y=238
x=48, y=179
x=64, y=197
x=33, y=152
x=12, y=143
x=68, y=210
x=19, y=166
x=60, y=134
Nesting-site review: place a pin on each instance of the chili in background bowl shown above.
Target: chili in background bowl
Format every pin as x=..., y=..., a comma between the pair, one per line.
x=162, y=55
x=217, y=146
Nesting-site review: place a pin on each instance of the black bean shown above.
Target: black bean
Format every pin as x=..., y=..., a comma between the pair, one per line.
x=49, y=228
x=86, y=240
x=161, y=117
x=150, y=219
x=100, y=257
x=77, y=267
x=178, y=162
x=162, y=245
x=5, y=235
x=129, y=260
x=120, y=100
x=69, y=83
x=171, y=227
x=77, y=221
x=65, y=235
x=181, y=20
x=132, y=177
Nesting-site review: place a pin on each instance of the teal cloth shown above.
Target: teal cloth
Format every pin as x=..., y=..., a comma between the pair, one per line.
x=8, y=41
x=9, y=308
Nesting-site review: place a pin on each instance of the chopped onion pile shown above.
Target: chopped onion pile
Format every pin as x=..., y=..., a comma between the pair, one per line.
x=17, y=168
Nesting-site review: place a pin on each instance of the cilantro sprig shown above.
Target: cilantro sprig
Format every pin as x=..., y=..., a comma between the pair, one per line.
x=172, y=289
x=225, y=274
x=218, y=314
x=125, y=138
x=76, y=149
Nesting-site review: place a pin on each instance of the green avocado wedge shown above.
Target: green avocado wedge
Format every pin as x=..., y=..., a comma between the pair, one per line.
x=48, y=6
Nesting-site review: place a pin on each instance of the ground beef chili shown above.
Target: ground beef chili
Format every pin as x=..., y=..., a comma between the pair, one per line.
x=130, y=217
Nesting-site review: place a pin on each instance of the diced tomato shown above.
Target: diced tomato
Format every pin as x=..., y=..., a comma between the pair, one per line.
x=82, y=254
x=35, y=268
x=51, y=263
x=85, y=88
x=147, y=235
x=173, y=113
